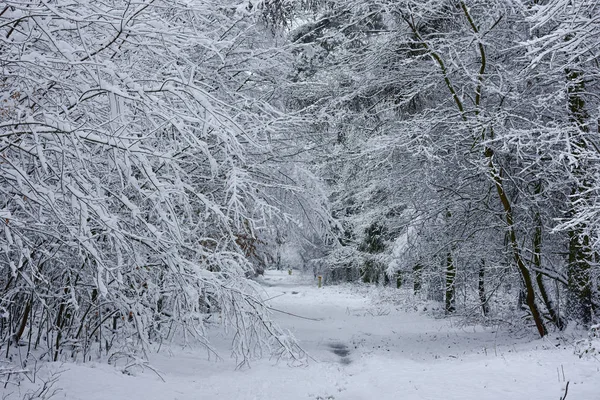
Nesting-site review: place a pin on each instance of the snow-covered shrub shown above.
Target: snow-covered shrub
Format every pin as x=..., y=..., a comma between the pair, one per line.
x=589, y=347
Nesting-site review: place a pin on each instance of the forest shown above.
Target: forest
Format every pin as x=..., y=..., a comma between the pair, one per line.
x=158, y=157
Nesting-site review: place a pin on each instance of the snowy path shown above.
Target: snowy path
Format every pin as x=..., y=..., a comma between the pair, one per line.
x=361, y=352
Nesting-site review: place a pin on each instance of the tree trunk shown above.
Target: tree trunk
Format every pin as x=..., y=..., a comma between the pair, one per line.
x=450, y=287
x=417, y=278
x=24, y=320
x=485, y=308
x=537, y=263
x=512, y=236
x=579, y=301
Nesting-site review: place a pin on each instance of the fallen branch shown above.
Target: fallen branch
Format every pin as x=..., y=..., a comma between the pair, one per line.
x=295, y=315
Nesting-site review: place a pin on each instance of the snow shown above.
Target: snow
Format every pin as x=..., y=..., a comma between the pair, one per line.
x=360, y=349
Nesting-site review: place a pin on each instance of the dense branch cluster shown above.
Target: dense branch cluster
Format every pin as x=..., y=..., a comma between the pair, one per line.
x=463, y=136
x=132, y=175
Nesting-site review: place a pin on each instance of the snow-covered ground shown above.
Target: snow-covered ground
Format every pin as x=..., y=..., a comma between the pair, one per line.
x=360, y=350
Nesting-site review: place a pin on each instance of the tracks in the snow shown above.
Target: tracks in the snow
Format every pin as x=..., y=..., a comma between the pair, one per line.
x=341, y=350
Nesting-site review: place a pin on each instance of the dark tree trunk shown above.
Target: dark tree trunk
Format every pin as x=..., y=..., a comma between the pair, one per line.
x=512, y=236
x=485, y=308
x=537, y=263
x=579, y=301
x=398, y=279
x=450, y=287
x=24, y=320
x=417, y=278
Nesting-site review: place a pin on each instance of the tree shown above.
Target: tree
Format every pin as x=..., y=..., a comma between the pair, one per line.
x=435, y=104
x=565, y=47
x=133, y=174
